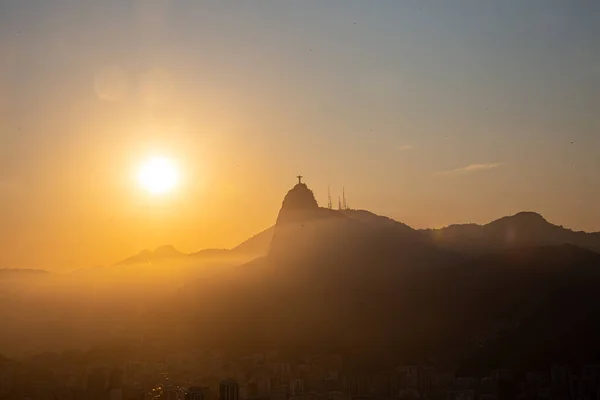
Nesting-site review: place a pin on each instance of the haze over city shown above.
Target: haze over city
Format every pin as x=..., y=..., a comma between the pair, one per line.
x=299, y=200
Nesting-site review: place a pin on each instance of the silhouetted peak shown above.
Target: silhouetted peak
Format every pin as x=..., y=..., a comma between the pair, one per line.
x=147, y=256
x=529, y=216
x=167, y=251
x=525, y=228
x=523, y=219
x=300, y=197
x=301, y=222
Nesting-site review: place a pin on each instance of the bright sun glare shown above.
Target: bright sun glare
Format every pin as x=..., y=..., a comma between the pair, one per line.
x=158, y=175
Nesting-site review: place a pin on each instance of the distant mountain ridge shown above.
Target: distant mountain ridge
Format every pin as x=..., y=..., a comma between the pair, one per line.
x=299, y=207
x=520, y=230
x=256, y=246
x=159, y=254
x=23, y=272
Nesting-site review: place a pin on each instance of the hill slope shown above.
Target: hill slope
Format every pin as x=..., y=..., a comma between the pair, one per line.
x=335, y=276
x=536, y=306
x=353, y=280
x=414, y=311
x=159, y=254
x=522, y=229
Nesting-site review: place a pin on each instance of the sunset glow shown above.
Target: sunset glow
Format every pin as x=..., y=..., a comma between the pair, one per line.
x=158, y=175
x=299, y=200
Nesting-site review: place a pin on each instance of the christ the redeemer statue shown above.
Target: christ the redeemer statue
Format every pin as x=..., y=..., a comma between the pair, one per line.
x=299, y=179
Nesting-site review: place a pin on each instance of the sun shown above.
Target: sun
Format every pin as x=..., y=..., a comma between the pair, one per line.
x=158, y=175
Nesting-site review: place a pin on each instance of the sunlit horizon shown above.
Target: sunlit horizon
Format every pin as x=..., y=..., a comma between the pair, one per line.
x=422, y=113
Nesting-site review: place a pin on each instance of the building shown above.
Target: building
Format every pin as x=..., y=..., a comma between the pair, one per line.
x=244, y=392
x=279, y=393
x=96, y=383
x=297, y=387
x=5, y=383
x=229, y=390
x=115, y=385
x=589, y=383
x=174, y=393
x=385, y=384
x=408, y=376
x=195, y=393
x=460, y=394
x=562, y=381
x=359, y=384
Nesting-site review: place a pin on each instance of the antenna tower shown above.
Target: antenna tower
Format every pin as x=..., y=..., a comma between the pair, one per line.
x=344, y=198
x=329, y=205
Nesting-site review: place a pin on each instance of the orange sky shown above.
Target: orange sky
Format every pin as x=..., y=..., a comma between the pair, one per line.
x=424, y=114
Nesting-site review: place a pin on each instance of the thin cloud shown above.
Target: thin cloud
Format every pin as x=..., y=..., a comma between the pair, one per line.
x=405, y=147
x=471, y=168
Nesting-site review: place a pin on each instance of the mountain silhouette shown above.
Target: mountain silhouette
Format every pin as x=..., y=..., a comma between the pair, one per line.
x=354, y=260
x=519, y=230
x=256, y=246
x=349, y=279
x=23, y=272
x=513, y=293
x=159, y=254
x=304, y=230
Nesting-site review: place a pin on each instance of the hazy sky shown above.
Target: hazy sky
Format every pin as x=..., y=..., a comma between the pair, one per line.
x=431, y=112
